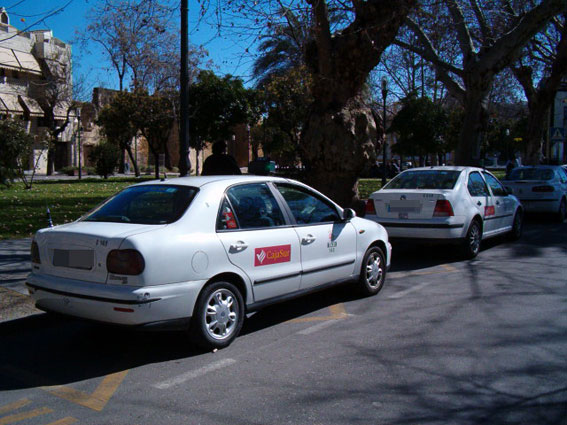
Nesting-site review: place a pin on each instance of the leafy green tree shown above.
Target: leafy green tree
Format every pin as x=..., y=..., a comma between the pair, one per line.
x=154, y=118
x=105, y=156
x=420, y=125
x=115, y=120
x=16, y=148
x=286, y=99
x=217, y=105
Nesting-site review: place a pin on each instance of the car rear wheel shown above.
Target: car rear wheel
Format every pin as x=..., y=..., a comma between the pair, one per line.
x=517, y=226
x=218, y=316
x=562, y=213
x=373, y=272
x=471, y=244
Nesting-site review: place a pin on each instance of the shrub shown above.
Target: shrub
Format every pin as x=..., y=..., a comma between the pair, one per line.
x=105, y=156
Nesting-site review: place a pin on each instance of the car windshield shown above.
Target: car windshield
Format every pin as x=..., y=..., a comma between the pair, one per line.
x=148, y=204
x=424, y=179
x=531, y=174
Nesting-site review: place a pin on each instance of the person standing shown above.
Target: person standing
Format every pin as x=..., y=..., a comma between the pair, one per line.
x=220, y=163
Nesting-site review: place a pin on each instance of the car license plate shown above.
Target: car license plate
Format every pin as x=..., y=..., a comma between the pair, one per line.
x=75, y=259
x=404, y=207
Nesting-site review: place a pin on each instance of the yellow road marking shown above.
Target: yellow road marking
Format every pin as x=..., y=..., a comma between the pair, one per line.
x=24, y=415
x=98, y=399
x=65, y=421
x=337, y=312
x=13, y=406
x=447, y=269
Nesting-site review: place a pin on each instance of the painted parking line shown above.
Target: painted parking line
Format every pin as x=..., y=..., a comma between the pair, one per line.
x=337, y=312
x=192, y=374
x=315, y=328
x=446, y=269
x=14, y=406
x=17, y=417
x=65, y=421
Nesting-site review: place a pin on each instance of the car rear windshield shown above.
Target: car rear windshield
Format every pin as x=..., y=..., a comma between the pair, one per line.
x=424, y=179
x=531, y=174
x=148, y=204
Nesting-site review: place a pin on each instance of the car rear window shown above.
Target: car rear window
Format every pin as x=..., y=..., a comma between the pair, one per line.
x=425, y=179
x=531, y=174
x=148, y=204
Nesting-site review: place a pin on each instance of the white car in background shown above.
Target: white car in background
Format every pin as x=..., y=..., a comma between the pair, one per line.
x=201, y=252
x=541, y=188
x=446, y=204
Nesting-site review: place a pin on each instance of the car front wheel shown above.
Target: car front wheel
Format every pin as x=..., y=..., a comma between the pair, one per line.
x=471, y=244
x=218, y=315
x=562, y=213
x=373, y=272
x=517, y=226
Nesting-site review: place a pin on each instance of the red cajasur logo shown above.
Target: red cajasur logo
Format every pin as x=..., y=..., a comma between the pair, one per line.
x=272, y=255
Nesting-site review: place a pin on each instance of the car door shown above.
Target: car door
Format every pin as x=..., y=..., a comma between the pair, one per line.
x=482, y=200
x=503, y=203
x=257, y=239
x=328, y=244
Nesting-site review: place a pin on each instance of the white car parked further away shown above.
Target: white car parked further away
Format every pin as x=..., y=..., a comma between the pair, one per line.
x=541, y=188
x=446, y=204
x=201, y=252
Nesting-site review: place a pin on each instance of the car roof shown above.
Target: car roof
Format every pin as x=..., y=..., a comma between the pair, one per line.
x=444, y=168
x=200, y=181
x=543, y=166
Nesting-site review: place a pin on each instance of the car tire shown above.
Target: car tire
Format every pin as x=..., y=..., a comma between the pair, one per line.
x=372, y=272
x=471, y=244
x=517, y=226
x=562, y=213
x=218, y=315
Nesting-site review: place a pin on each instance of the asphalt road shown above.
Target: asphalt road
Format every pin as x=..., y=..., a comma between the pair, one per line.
x=445, y=342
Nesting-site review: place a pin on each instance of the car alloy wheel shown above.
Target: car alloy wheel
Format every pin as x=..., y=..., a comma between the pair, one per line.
x=472, y=240
x=373, y=271
x=219, y=314
x=517, y=226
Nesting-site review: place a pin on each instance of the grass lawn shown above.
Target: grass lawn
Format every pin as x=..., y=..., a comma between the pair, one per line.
x=23, y=212
x=367, y=186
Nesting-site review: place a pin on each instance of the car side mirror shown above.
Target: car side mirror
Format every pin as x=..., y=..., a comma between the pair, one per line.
x=348, y=214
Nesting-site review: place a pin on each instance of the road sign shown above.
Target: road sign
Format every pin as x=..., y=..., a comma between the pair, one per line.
x=557, y=134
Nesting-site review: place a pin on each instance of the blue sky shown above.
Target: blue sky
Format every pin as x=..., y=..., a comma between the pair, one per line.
x=225, y=53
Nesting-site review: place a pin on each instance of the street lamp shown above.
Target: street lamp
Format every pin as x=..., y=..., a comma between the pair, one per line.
x=78, y=122
x=384, y=95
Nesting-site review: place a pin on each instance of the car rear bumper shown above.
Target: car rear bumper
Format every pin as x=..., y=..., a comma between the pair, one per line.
x=407, y=229
x=541, y=205
x=122, y=305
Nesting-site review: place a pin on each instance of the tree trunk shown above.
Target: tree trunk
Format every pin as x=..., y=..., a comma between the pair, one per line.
x=336, y=145
x=121, y=167
x=133, y=160
x=50, y=161
x=156, y=160
x=535, y=132
x=474, y=124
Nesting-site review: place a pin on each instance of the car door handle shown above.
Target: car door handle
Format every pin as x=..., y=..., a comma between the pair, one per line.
x=238, y=246
x=306, y=240
x=497, y=202
x=479, y=203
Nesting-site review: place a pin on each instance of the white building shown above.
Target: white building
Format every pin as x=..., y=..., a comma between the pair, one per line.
x=35, y=83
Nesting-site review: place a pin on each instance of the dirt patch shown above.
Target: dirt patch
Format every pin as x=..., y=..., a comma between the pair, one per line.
x=14, y=305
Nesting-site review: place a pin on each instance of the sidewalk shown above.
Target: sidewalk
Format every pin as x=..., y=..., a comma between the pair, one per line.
x=14, y=267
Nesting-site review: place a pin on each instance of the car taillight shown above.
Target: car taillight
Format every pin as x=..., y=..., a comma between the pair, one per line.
x=443, y=208
x=125, y=261
x=370, y=209
x=545, y=188
x=35, y=258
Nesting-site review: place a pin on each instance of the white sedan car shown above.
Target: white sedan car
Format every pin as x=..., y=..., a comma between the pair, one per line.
x=446, y=204
x=201, y=252
x=541, y=188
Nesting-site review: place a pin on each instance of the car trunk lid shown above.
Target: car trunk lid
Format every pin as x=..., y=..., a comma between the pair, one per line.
x=79, y=250
x=406, y=204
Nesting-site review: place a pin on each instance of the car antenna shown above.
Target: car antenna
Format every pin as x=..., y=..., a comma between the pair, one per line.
x=49, y=220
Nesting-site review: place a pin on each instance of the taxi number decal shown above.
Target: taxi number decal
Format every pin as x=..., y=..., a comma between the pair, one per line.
x=272, y=255
x=488, y=211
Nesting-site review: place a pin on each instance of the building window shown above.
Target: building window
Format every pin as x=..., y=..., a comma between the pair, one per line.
x=4, y=18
